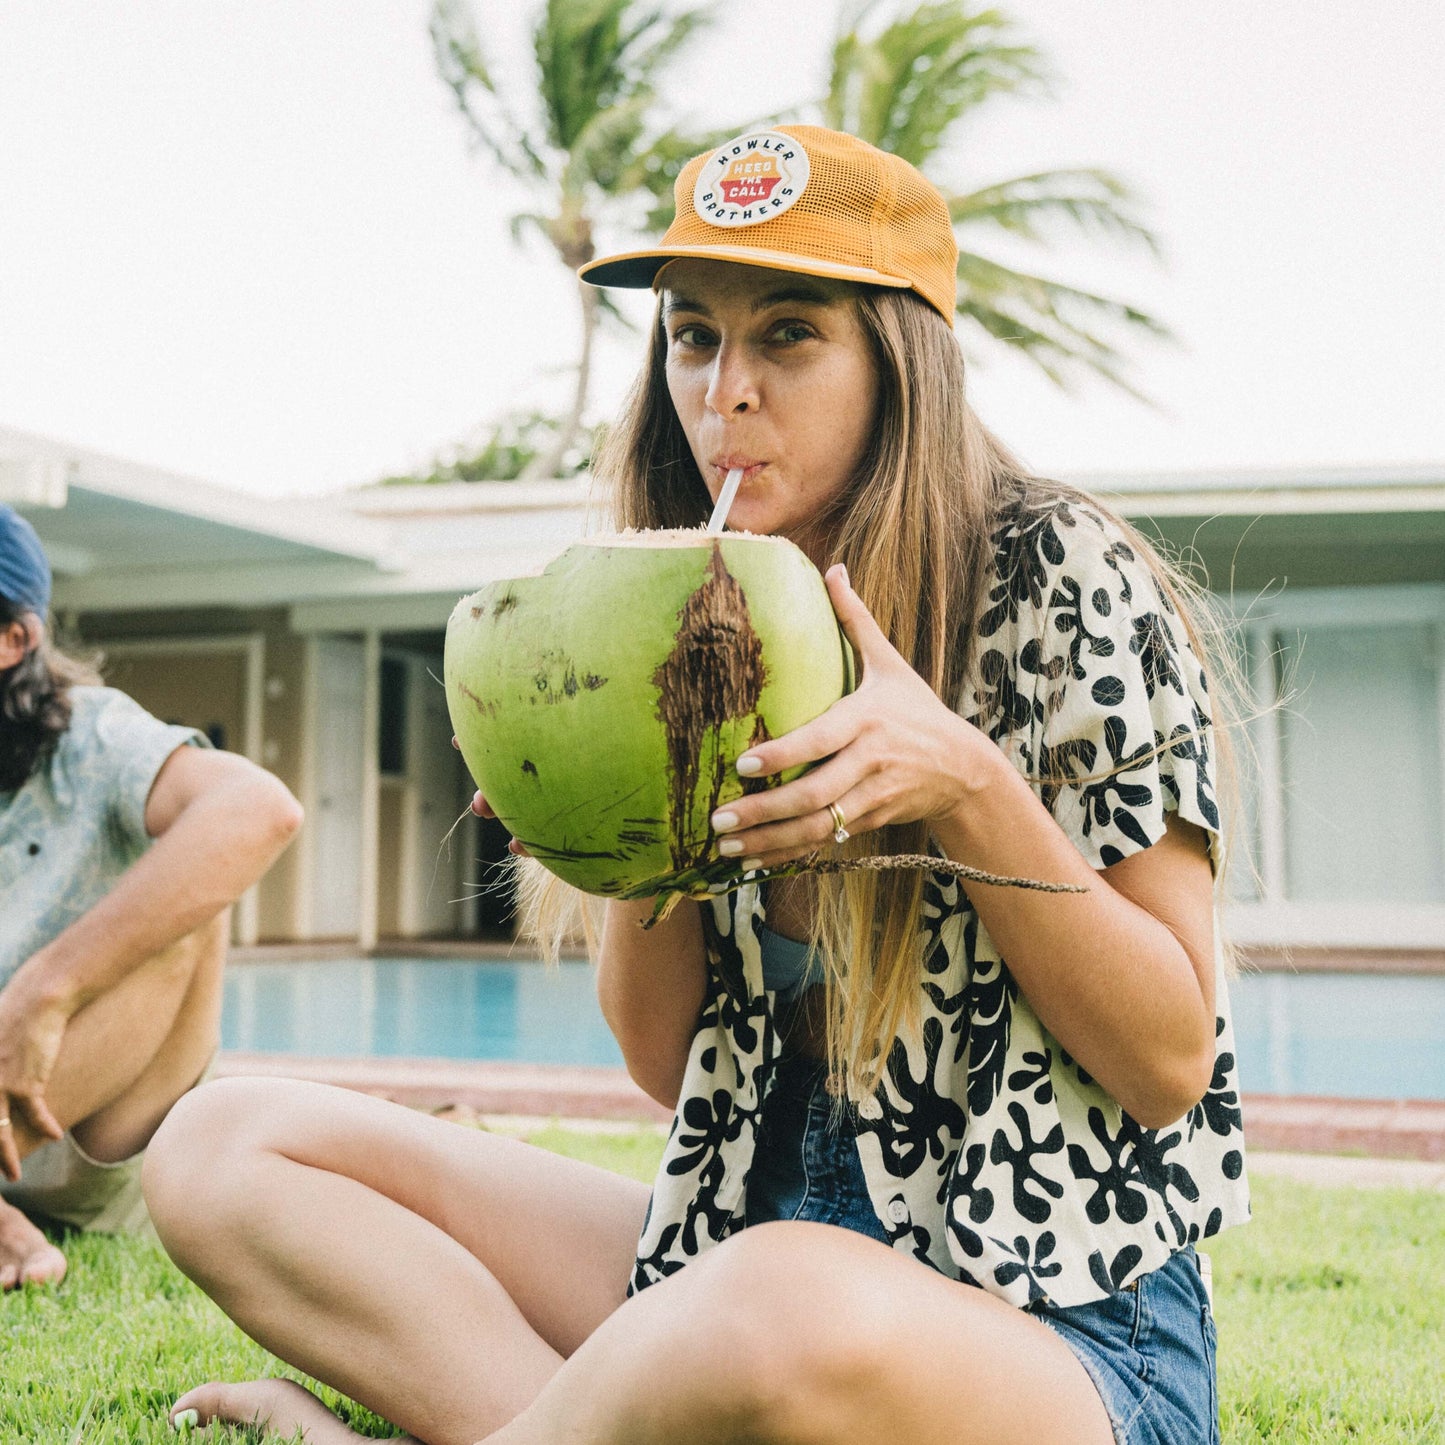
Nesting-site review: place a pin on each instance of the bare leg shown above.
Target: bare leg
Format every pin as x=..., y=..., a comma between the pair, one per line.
x=438, y=1275
x=126, y=1058
x=805, y=1334
x=279, y=1408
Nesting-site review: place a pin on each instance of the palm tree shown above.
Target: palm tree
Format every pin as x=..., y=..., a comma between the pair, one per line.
x=905, y=87
x=583, y=133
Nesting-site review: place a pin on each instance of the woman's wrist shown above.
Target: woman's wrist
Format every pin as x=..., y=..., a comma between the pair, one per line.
x=988, y=789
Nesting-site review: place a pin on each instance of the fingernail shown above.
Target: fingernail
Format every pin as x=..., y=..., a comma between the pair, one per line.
x=748, y=765
x=842, y=567
x=730, y=847
x=751, y=865
x=186, y=1420
x=723, y=821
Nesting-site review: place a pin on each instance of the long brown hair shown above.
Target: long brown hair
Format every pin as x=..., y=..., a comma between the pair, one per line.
x=916, y=529
x=34, y=701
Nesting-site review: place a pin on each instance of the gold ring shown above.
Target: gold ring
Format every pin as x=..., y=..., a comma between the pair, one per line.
x=840, y=824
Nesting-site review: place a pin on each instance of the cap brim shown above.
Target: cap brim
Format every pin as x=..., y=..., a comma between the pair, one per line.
x=638, y=269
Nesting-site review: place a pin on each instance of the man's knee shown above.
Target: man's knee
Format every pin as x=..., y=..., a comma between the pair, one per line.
x=197, y=958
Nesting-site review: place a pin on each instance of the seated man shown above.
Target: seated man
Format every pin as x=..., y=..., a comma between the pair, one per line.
x=123, y=843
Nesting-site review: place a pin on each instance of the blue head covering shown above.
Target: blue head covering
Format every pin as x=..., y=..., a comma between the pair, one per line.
x=24, y=570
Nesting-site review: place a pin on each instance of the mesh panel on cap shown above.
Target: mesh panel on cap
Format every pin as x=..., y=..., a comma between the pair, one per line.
x=861, y=208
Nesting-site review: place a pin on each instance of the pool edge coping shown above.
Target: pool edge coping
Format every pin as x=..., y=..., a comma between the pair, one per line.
x=1411, y=1129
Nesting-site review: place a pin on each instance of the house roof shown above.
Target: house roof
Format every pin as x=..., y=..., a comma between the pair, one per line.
x=1261, y=491
x=100, y=517
x=126, y=536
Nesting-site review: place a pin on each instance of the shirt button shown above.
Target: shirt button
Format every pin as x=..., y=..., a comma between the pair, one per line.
x=870, y=1108
x=897, y=1211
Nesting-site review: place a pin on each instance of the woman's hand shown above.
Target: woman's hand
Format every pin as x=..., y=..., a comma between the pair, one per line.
x=30, y=1035
x=483, y=809
x=895, y=753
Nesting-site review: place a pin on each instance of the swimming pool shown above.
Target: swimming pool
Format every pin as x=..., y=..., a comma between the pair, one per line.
x=418, y=1008
x=1367, y=1036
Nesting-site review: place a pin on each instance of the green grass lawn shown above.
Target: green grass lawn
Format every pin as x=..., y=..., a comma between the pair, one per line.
x=1329, y=1307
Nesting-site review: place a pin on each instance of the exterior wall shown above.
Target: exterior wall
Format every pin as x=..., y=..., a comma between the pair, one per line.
x=202, y=689
x=1343, y=816
x=207, y=688
x=1362, y=581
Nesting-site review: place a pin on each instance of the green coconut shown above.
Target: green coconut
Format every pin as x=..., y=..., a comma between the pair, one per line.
x=602, y=705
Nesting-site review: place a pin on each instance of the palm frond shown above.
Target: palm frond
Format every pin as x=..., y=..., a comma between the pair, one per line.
x=603, y=149
x=462, y=64
x=905, y=88
x=1055, y=326
x=657, y=36
x=608, y=308
x=1028, y=206
x=844, y=68
x=595, y=54
x=524, y=221
x=653, y=169
x=571, y=42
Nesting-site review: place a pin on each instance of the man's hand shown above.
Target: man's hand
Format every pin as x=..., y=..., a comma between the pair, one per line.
x=30, y=1033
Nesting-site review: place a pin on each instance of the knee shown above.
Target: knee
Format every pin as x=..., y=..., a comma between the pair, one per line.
x=196, y=1166
x=778, y=1342
x=198, y=957
x=201, y=954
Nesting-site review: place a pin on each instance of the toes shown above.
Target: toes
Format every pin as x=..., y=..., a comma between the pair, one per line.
x=46, y=1266
x=274, y=1405
x=9, y=1276
x=198, y=1407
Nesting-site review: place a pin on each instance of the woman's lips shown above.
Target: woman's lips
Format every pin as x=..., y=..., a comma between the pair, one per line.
x=728, y=464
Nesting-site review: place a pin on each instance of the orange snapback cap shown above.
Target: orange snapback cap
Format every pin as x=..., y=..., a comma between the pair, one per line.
x=802, y=198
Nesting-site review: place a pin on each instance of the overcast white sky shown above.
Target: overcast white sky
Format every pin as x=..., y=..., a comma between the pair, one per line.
x=245, y=239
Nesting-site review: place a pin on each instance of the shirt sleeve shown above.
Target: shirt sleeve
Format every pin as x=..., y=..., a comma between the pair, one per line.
x=131, y=747
x=1124, y=732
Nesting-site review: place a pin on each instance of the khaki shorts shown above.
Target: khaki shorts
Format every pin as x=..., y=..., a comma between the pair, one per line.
x=62, y=1182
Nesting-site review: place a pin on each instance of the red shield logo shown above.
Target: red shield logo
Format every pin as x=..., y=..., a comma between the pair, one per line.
x=749, y=180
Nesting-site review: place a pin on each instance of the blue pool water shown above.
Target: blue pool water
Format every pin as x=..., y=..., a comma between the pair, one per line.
x=1349, y=1035
x=418, y=1008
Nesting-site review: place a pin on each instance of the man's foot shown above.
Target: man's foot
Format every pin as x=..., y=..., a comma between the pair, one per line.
x=279, y=1407
x=26, y=1256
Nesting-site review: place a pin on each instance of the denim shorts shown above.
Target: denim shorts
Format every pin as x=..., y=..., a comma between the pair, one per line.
x=1148, y=1348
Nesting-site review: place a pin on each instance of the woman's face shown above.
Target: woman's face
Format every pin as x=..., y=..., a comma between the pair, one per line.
x=769, y=371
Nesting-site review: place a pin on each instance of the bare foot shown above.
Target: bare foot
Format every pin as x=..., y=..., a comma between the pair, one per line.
x=279, y=1407
x=26, y=1256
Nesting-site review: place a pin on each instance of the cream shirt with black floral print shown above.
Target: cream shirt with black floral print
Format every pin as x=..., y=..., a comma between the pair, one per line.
x=989, y=1153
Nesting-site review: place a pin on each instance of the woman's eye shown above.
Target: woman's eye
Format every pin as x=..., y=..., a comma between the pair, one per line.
x=691, y=335
x=792, y=331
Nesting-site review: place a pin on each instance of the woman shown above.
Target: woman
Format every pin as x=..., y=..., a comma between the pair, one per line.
x=912, y=1192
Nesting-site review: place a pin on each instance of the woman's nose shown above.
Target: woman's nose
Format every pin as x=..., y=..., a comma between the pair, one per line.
x=733, y=386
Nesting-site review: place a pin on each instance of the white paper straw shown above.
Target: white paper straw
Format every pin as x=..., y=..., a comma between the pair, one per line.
x=725, y=500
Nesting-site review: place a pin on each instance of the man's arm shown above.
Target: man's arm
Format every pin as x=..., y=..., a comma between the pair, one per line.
x=219, y=823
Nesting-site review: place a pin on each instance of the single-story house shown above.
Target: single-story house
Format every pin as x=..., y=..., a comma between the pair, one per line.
x=308, y=635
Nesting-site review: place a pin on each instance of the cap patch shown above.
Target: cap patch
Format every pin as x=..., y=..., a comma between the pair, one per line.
x=751, y=179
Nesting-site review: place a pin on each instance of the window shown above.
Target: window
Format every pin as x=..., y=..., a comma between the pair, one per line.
x=391, y=745
x=1360, y=764
x=1339, y=835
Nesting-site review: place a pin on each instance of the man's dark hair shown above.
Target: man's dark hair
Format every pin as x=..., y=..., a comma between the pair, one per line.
x=34, y=703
